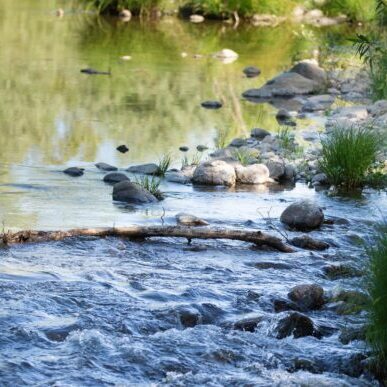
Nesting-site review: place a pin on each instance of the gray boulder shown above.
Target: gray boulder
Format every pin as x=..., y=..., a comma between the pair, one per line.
x=115, y=177
x=259, y=133
x=74, y=171
x=184, y=219
x=251, y=71
x=295, y=324
x=146, y=169
x=129, y=192
x=284, y=85
x=310, y=71
x=106, y=167
x=276, y=169
x=303, y=215
x=307, y=297
x=215, y=172
x=252, y=174
x=248, y=324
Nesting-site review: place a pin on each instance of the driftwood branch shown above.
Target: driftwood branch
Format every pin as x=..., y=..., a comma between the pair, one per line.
x=257, y=237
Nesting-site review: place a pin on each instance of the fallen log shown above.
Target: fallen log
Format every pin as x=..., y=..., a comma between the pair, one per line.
x=257, y=237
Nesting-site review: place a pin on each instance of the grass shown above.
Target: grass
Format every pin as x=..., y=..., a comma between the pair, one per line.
x=244, y=156
x=356, y=10
x=377, y=287
x=285, y=138
x=222, y=138
x=347, y=154
x=151, y=184
x=195, y=160
x=164, y=164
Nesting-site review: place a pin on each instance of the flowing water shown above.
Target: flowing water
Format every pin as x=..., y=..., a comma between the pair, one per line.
x=91, y=312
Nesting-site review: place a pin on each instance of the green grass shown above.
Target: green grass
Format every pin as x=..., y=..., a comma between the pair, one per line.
x=115, y=6
x=164, y=164
x=285, y=138
x=356, y=10
x=151, y=184
x=244, y=156
x=377, y=287
x=347, y=154
x=222, y=138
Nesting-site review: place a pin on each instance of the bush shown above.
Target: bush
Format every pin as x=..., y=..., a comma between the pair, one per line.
x=356, y=10
x=377, y=328
x=347, y=154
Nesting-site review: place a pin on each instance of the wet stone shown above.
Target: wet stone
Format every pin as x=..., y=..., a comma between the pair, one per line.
x=306, y=242
x=251, y=71
x=248, y=324
x=115, y=177
x=297, y=325
x=146, y=169
x=122, y=148
x=341, y=271
x=106, y=167
x=211, y=104
x=74, y=171
x=307, y=297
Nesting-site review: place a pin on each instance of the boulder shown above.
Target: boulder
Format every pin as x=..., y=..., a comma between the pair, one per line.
x=178, y=177
x=146, y=169
x=248, y=324
x=283, y=305
x=196, y=18
x=126, y=191
x=215, y=172
x=290, y=173
x=320, y=179
x=276, y=169
x=252, y=174
x=341, y=271
x=284, y=85
x=283, y=114
x=184, y=219
x=189, y=317
x=307, y=297
x=259, y=133
x=115, y=177
x=106, y=167
x=74, y=171
x=311, y=71
x=238, y=142
x=303, y=215
x=296, y=324
x=211, y=104
x=251, y=71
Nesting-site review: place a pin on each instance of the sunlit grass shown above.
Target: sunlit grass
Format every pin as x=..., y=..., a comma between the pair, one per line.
x=151, y=184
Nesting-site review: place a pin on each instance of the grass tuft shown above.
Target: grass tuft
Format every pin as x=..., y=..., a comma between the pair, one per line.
x=244, y=156
x=377, y=287
x=164, y=164
x=151, y=184
x=347, y=154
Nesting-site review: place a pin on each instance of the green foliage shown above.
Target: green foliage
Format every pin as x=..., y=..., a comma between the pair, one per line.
x=347, y=154
x=381, y=12
x=164, y=164
x=286, y=138
x=356, y=10
x=222, y=138
x=195, y=160
x=151, y=184
x=377, y=328
x=244, y=156
x=114, y=6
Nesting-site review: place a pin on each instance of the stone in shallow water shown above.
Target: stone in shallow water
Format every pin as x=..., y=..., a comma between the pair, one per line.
x=303, y=215
x=251, y=71
x=115, y=177
x=74, y=171
x=306, y=242
x=248, y=324
x=185, y=219
x=253, y=174
x=307, y=297
x=214, y=172
x=259, y=133
x=126, y=191
x=146, y=169
x=211, y=104
x=296, y=324
x=106, y=167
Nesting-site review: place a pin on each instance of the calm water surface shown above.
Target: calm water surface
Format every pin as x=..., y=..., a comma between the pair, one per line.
x=87, y=312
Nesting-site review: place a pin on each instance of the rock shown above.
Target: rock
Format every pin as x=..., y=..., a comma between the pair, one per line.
x=252, y=174
x=214, y=172
x=283, y=305
x=307, y=297
x=188, y=317
x=290, y=173
x=259, y=133
x=211, y=104
x=105, y=167
x=341, y=271
x=184, y=219
x=196, y=18
x=248, y=324
x=303, y=215
x=276, y=169
x=284, y=85
x=74, y=171
x=145, y=169
x=115, y=177
x=125, y=15
x=306, y=242
x=321, y=179
x=311, y=71
x=283, y=114
x=351, y=334
x=311, y=107
x=183, y=149
x=251, y=71
x=295, y=324
x=177, y=177
x=305, y=365
x=126, y=191
x=201, y=148
x=226, y=54
x=122, y=148
x=272, y=265
x=238, y=142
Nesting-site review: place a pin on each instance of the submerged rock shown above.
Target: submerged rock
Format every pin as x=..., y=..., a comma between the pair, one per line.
x=115, y=177
x=296, y=324
x=307, y=297
x=184, y=219
x=248, y=324
x=122, y=148
x=211, y=104
x=146, y=169
x=74, y=171
x=341, y=271
x=251, y=71
x=303, y=215
x=106, y=167
x=252, y=174
x=214, y=172
x=306, y=242
x=126, y=191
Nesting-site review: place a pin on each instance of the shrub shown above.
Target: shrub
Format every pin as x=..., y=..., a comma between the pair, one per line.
x=347, y=154
x=151, y=184
x=377, y=286
x=356, y=10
